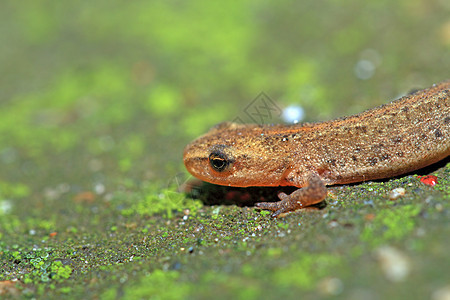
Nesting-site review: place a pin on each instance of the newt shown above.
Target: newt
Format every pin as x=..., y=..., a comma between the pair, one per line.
x=393, y=139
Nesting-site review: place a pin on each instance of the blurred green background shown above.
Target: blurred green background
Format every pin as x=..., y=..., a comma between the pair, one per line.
x=98, y=98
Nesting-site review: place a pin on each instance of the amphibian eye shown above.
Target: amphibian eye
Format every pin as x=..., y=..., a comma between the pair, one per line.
x=218, y=161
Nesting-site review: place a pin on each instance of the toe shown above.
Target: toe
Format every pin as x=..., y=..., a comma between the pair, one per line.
x=267, y=205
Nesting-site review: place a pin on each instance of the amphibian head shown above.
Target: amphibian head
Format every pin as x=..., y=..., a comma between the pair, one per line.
x=236, y=155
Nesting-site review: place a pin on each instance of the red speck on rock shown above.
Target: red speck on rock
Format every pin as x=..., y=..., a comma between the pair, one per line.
x=429, y=180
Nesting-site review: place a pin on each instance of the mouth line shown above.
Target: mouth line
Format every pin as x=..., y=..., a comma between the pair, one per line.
x=195, y=164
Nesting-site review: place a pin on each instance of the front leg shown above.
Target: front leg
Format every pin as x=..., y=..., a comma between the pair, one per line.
x=314, y=192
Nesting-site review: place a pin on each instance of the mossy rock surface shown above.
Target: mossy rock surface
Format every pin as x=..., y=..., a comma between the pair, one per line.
x=98, y=100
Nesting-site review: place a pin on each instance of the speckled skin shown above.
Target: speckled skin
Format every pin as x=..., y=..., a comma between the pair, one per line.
x=405, y=135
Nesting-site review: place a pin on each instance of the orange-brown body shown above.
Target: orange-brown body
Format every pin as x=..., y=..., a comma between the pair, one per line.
x=405, y=135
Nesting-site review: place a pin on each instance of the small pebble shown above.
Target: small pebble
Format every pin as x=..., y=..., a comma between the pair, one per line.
x=394, y=263
x=331, y=286
x=442, y=293
x=439, y=207
x=5, y=206
x=333, y=224
x=397, y=193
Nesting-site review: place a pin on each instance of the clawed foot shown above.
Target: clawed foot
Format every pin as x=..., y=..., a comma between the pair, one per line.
x=314, y=192
x=285, y=205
